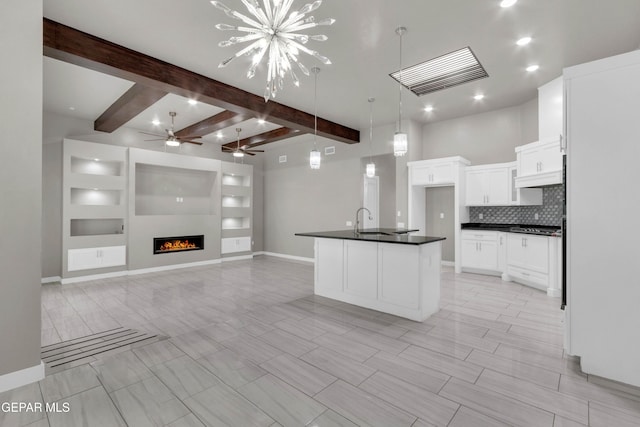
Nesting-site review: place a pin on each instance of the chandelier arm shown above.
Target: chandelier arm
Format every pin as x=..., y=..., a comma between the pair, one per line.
x=239, y=53
x=254, y=8
x=268, y=10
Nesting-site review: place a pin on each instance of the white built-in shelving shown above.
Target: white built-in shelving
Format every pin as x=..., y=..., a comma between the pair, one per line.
x=237, y=209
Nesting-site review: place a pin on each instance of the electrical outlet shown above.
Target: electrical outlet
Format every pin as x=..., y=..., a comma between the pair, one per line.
x=401, y=225
x=399, y=214
x=536, y=216
x=349, y=224
x=441, y=215
x=481, y=216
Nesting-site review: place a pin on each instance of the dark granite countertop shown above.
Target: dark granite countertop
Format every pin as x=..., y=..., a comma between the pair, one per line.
x=380, y=235
x=510, y=227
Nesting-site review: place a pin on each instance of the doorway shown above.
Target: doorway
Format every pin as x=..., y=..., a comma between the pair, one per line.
x=440, y=218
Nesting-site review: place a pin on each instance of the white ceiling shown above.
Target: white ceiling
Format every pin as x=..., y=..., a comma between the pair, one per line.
x=362, y=46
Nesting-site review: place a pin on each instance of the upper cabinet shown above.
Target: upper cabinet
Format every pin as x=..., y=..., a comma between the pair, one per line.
x=494, y=185
x=487, y=185
x=437, y=172
x=540, y=163
x=550, y=110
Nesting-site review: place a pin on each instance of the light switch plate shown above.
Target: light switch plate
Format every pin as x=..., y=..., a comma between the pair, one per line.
x=481, y=216
x=349, y=224
x=441, y=215
x=401, y=225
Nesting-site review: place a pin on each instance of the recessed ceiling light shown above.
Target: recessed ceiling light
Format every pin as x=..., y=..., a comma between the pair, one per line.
x=72, y=108
x=261, y=121
x=220, y=135
x=508, y=3
x=524, y=41
x=192, y=102
x=532, y=68
x=478, y=97
x=96, y=160
x=428, y=108
x=156, y=122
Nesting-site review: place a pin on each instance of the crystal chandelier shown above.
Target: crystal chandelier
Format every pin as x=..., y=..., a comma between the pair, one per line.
x=270, y=29
x=314, y=157
x=400, y=138
x=371, y=167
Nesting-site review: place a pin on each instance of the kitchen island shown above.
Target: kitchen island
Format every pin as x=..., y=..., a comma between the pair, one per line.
x=383, y=269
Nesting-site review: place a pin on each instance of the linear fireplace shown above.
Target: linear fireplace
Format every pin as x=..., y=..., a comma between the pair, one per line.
x=167, y=245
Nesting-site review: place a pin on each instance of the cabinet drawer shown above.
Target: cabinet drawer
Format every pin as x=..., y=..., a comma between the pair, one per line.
x=487, y=236
x=517, y=273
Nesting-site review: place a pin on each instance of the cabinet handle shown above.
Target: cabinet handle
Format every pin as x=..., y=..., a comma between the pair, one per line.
x=563, y=147
x=501, y=240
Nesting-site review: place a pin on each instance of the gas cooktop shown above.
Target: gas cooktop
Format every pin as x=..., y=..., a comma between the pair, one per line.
x=543, y=231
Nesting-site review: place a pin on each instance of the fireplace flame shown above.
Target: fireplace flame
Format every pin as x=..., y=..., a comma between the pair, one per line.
x=177, y=245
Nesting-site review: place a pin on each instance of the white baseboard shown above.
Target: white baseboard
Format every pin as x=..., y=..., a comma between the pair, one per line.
x=553, y=292
x=448, y=263
x=23, y=377
x=173, y=267
x=237, y=258
x=285, y=256
x=52, y=279
x=138, y=271
x=93, y=277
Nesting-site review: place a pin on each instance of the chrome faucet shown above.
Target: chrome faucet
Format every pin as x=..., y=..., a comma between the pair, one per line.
x=357, y=226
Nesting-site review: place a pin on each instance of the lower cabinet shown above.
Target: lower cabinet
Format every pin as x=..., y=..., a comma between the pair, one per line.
x=91, y=258
x=480, y=250
x=235, y=244
x=403, y=280
x=524, y=258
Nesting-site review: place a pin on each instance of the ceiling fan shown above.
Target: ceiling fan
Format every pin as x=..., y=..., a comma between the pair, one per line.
x=240, y=151
x=171, y=139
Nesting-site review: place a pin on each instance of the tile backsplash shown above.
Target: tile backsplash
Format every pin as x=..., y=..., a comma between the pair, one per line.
x=550, y=213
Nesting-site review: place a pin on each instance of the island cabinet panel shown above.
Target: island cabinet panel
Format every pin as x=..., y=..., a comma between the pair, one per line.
x=399, y=279
x=360, y=276
x=397, y=282
x=329, y=266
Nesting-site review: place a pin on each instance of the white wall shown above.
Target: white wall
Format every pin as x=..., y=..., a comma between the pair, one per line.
x=483, y=138
x=56, y=127
x=20, y=185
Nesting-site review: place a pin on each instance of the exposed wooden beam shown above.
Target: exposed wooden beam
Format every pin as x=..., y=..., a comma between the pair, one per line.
x=213, y=124
x=70, y=45
x=264, y=138
x=133, y=102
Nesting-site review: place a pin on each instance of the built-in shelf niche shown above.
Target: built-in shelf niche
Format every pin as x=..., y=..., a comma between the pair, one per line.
x=96, y=166
x=163, y=190
x=96, y=226
x=235, y=201
x=234, y=223
x=236, y=180
x=96, y=197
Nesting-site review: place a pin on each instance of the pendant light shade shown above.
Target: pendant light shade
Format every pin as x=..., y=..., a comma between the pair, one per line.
x=400, y=141
x=371, y=167
x=400, y=144
x=371, y=170
x=314, y=157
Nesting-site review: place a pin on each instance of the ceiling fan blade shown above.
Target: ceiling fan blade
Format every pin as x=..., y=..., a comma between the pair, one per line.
x=189, y=136
x=253, y=151
x=190, y=142
x=229, y=149
x=248, y=153
x=152, y=134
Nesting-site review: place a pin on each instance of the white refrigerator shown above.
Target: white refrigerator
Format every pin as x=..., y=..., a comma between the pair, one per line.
x=602, y=129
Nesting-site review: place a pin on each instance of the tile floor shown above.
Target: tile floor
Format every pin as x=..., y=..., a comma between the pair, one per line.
x=249, y=345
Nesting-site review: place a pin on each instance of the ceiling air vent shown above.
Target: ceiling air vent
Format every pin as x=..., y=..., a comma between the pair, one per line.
x=451, y=69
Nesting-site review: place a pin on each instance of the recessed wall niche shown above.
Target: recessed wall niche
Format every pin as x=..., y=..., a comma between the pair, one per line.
x=96, y=166
x=163, y=190
x=95, y=197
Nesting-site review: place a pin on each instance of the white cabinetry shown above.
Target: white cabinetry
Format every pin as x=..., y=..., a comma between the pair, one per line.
x=550, y=109
x=399, y=279
x=528, y=259
x=487, y=185
x=480, y=250
x=436, y=173
x=235, y=244
x=539, y=163
x=522, y=196
x=90, y=258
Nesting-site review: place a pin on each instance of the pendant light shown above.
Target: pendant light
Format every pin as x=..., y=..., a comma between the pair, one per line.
x=400, y=142
x=371, y=167
x=314, y=157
